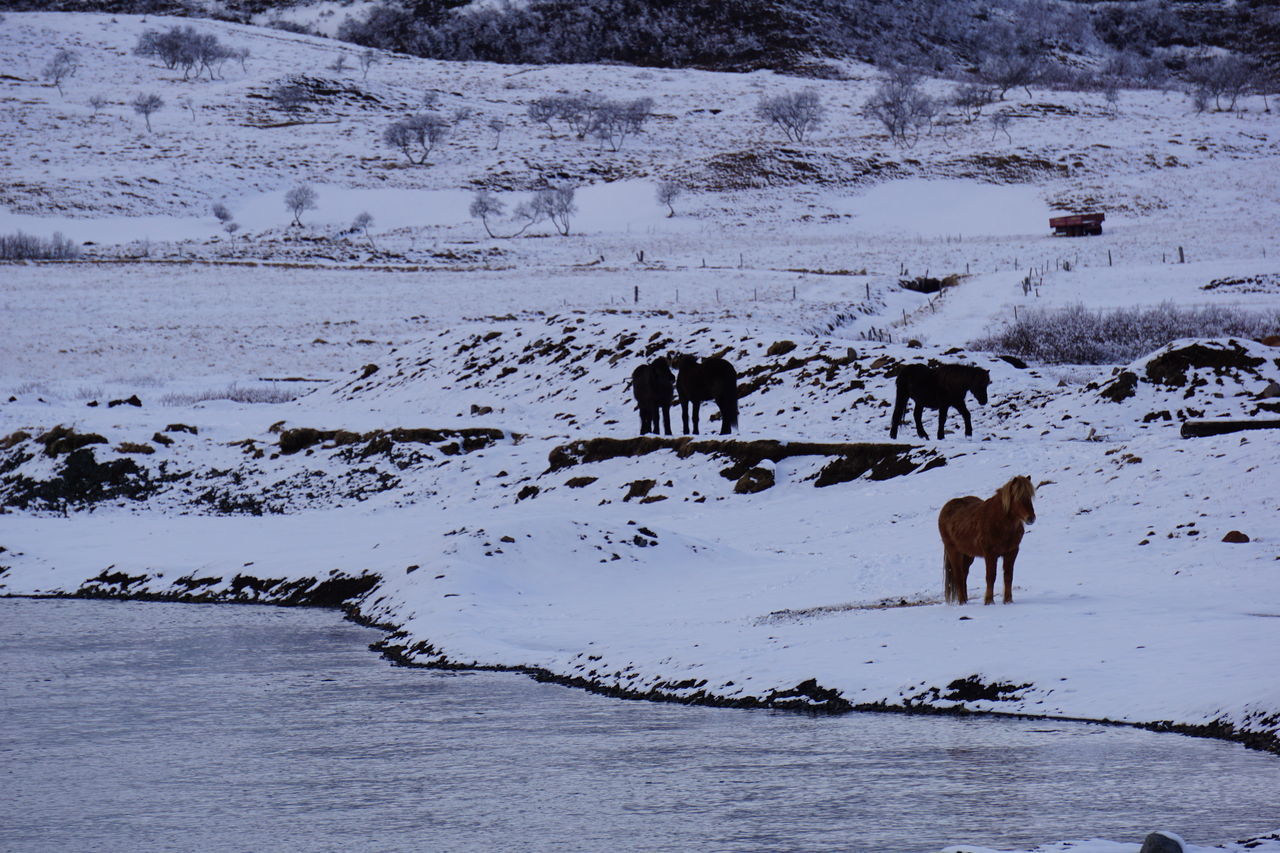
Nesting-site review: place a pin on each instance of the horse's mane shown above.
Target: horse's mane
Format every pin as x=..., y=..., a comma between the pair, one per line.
x=970, y=370
x=1017, y=489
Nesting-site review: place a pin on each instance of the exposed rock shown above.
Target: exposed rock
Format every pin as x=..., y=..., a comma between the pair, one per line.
x=639, y=488
x=1121, y=388
x=62, y=439
x=756, y=479
x=780, y=348
x=13, y=439
x=1162, y=842
x=1235, y=537
x=1170, y=368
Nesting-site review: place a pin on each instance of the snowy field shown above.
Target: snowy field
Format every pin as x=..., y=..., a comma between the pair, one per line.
x=446, y=376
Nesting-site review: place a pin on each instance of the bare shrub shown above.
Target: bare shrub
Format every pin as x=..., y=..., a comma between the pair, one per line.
x=901, y=106
x=614, y=121
x=484, y=205
x=556, y=204
x=26, y=247
x=290, y=97
x=668, y=192
x=300, y=199
x=368, y=59
x=497, y=125
x=1000, y=124
x=796, y=113
x=145, y=105
x=1220, y=77
x=97, y=102
x=65, y=63
x=971, y=99
x=1014, y=65
x=235, y=393
x=1078, y=335
x=185, y=48
x=421, y=132
x=363, y=222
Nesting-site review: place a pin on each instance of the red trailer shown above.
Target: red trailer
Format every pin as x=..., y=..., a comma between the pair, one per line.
x=1077, y=225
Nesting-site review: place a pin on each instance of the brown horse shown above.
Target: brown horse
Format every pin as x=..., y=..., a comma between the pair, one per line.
x=991, y=529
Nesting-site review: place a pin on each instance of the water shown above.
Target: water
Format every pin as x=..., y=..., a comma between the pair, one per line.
x=140, y=727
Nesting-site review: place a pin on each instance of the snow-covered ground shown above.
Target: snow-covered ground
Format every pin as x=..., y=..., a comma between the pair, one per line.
x=450, y=374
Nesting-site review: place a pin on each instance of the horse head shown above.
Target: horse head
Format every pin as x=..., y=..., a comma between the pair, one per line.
x=681, y=360
x=1016, y=498
x=979, y=389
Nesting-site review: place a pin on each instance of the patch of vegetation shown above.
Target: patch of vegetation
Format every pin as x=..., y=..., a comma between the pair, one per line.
x=1078, y=335
x=27, y=247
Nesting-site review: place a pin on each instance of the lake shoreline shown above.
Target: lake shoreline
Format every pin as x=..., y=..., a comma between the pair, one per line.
x=806, y=698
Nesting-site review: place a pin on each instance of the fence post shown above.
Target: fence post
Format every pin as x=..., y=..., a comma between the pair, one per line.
x=1182, y=259
x=637, y=294
x=1108, y=257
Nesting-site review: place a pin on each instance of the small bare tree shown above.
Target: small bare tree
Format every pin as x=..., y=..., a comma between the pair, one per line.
x=1111, y=94
x=97, y=102
x=299, y=199
x=368, y=59
x=1018, y=66
x=668, y=192
x=145, y=105
x=362, y=222
x=899, y=104
x=1000, y=124
x=221, y=212
x=65, y=63
x=971, y=98
x=556, y=204
x=497, y=125
x=423, y=131
x=485, y=204
x=796, y=112
x=339, y=65
x=559, y=206
x=543, y=110
x=613, y=121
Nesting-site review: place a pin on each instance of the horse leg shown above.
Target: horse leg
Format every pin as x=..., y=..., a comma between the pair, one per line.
x=990, y=597
x=963, y=588
x=1008, y=575
x=942, y=420
x=964, y=412
x=920, y=421
x=644, y=419
x=666, y=419
x=684, y=414
x=696, y=405
x=948, y=575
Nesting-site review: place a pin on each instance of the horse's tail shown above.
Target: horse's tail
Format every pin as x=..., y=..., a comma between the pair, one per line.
x=949, y=587
x=729, y=411
x=900, y=403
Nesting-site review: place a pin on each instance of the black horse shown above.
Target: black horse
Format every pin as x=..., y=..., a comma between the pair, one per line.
x=703, y=381
x=942, y=387
x=653, y=387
